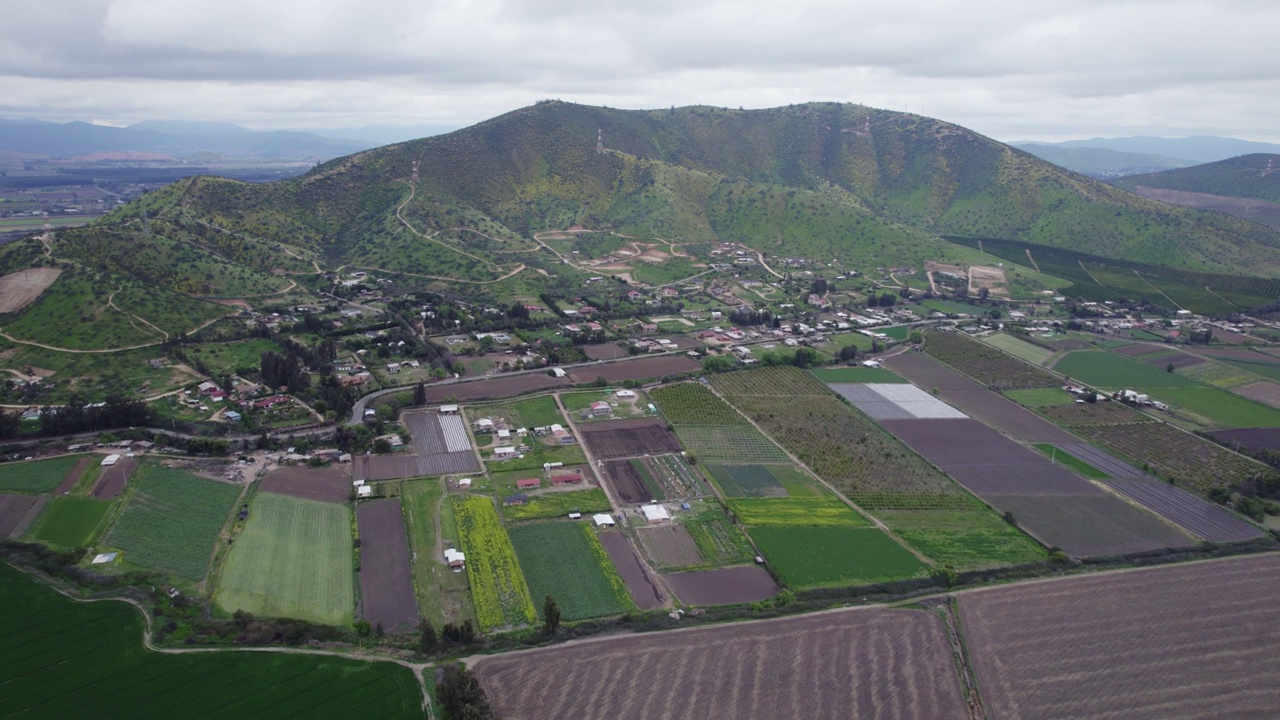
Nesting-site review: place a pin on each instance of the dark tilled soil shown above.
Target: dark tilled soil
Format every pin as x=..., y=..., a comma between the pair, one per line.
x=17, y=513
x=113, y=479
x=627, y=560
x=874, y=663
x=1168, y=643
x=725, y=586
x=328, y=484
x=626, y=482
x=642, y=369
x=70, y=480
x=629, y=438
x=386, y=582
x=1251, y=439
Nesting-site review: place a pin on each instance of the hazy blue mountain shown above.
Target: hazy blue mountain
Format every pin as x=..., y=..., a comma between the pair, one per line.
x=179, y=139
x=1101, y=162
x=1195, y=149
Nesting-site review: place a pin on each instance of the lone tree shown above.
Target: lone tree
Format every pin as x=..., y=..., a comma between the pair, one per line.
x=460, y=693
x=428, y=641
x=550, y=616
x=419, y=395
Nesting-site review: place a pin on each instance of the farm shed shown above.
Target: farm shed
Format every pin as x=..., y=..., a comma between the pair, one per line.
x=517, y=499
x=557, y=372
x=464, y=482
x=448, y=409
x=603, y=520
x=364, y=491
x=504, y=434
x=233, y=416
x=455, y=559
x=655, y=514
x=528, y=483
x=504, y=452
x=110, y=460
x=626, y=394
x=484, y=425
x=566, y=478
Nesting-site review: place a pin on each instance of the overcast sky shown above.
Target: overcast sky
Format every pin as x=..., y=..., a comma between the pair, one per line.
x=1011, y=69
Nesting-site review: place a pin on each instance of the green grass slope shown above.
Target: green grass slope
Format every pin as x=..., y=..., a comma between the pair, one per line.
x=1248, y=176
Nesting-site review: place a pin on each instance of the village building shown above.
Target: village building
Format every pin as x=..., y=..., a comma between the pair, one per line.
x=655, y=514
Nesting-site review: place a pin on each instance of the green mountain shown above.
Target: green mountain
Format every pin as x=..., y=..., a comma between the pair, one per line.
x=1254, y=176
x=464, y=211
x=1102, y=162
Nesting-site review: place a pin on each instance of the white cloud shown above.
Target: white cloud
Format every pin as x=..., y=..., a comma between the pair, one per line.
x=1010, y=70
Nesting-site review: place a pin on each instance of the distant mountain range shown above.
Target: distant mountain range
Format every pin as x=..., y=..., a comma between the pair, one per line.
x=1247, y=187
x=1115, y=157
x=179, y=140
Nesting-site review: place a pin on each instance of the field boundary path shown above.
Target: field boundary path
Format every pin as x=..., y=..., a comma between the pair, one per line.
x=416, y=668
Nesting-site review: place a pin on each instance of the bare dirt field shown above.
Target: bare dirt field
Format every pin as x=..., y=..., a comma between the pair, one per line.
x=723, y=586
x=1178, y=360
x=642, y=369
x=1252, y=439
x=17, y=290
x=1169, y=643
x=1090, y=525
x=113, y=479
x=17, y=513
x=1190, y=512
x=327, y=484
x=670, y=546
x=627, y=560
x=991, y=278
x=604, y=351
x=498, y=387
x=1239, y=354
x=855, y=664
x=977, y=401
x=1139, y=349
x=1266, y=392
x=70, y=480
x=626, y=482
x=629, y=438
x=386, y=582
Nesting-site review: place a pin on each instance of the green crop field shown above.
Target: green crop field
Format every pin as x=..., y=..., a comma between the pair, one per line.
x=811, y=556
x=559, y=504
x=71, y=521
x=730, y=444
x=1019, y=348
x=294, y=559
x=1212, y=407
x=1112, y=372
x=1221, y=374
x=815, y=511
x=719, y=541
x=36, y=476
x=971, y=539
x=497, y=585
x=533, y=412
x=693, y=404
x=857, y=375
x=69, y=659
x=443, y=596
x=746, y=480
x=173, y=520
x=566, y=561
x=1040, y=397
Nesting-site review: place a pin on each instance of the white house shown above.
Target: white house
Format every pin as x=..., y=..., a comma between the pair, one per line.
x=626, y=393
x=505, y=452
x=604, y=520
x=455, y=559
x=655, y=514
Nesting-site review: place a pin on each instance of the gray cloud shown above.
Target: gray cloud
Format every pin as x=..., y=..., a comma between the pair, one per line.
x=1011, y=70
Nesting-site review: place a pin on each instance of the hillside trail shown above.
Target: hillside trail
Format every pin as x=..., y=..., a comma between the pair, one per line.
x=111, y=303
x=417, y=668
x=399, y=216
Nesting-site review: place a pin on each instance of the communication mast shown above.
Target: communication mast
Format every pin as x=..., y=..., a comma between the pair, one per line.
x=415, y=171
x=599, y=141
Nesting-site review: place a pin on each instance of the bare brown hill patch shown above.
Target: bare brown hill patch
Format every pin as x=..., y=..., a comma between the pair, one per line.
x=17, y=290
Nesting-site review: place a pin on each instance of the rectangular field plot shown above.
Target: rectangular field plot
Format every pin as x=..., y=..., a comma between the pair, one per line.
x=328, y=484
x=807, y=556
x=630, y=480
x=386, y=583
x=1109, y=371
x=1191, y=512
x=71, y=521
x=856, y=375
x=17, y=512
x=730, y=443
x=629, y=438
x=113, y=479
x=36, y=476
x=963, y=539
x=819, y=667
x=566, y=561
x=670, y=547
x=68, y=656
x=497, y=584
x=746, y=480
x=1211, y=407
x=1019, y=348
x=631, y=568
x=640, y=369
x=691, y=403
x=889, y=401
x=726, y=586
x=1167, y=643
x=986, y=364
x=1086, y=526
x=292, y=560
x=824, y=510
x=546, y=505
x=172, y=521
x=440, y=442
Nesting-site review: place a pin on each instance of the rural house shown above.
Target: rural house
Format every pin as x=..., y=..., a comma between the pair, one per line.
x=528, y=483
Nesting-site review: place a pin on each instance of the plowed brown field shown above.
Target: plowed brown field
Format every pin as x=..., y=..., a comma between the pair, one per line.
x=1189, y=641
x=862, y=664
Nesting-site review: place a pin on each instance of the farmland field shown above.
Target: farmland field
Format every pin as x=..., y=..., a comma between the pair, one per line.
x=718, y=540
x=1169, y=643
x=566, y=561
x=824, y=510
x=71, y=521
x=292, y=560
x=746, y=480
x=386, y=583
x=172, y=521
x=857, y=375
x=838, y=443
x=730, y=443
x=1216, y=408
x=559, y=504
x=1110, y=371
x=1018, y=348
x=639, y=369
x=1040, y=397
x=530, y=413
x=497, y=585
x=17, y=512
x=987, y=365
x=36, y=476
x=692, y=403
x=723, y=586
x=811, y=556
x=818, y=667
x=67, y=656
x=443, y=595
x=970, y=539
x=628, y=438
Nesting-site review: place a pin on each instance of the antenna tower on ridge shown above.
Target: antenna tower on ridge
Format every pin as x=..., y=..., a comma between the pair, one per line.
x=599, y=140
x=415, y=171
